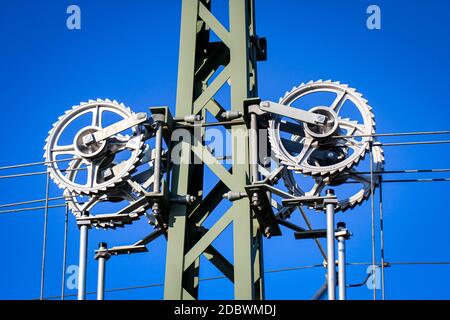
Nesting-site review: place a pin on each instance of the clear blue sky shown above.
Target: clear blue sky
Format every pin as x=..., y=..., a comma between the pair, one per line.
x=129, y=52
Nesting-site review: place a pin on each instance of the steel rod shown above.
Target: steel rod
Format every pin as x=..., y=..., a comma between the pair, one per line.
x=398, y=134
x=342, y=264
x=321, y=292
x=101, y=272
x=210, y=124
x=331, y=264
x=372, y=207
x=82, y=262
x=64, y=264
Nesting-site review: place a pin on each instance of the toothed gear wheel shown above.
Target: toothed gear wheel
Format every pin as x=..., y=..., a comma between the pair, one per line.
x=315, y=150
x=352, y=176
x=98, y=156
x=79, y=203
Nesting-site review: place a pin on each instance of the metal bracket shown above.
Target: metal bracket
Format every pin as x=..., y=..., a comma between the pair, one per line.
x=321, y=233
x=343, y=233
x=102, y=253
x=126, y=218
x=119, y=250
x=261, y=206
x=274, y=176
x=260, y=44
x=164, y=117
x=252, y=106
x=315, y=202
x=115, y=128
x=294, y=113
x=310, y=234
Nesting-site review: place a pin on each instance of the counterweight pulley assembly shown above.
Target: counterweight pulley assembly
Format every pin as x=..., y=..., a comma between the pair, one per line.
x=102, y=152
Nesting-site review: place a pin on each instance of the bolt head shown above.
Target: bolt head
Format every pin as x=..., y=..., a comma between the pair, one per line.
x=88, y=139
x=265, y=104
x=107, y=173
x=341, y=225
x=141, y=115
x=331, y=155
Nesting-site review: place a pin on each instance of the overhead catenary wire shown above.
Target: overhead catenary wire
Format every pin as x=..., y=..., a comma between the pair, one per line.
x=397, y=134
x=38, y=173
x=15, y=204
x=201, y=279
x=305, y=267
x=44, y=241
x=403, y=171
x=31, y=164
x=32, y=208
x=47, y=199
x=398, y=144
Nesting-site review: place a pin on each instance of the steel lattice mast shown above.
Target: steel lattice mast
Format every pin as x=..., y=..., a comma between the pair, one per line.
x=198, y=60
x=324, y=145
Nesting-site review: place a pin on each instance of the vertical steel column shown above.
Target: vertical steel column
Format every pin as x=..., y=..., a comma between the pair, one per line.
x=199, y=60
x=101, y=256
x=331, y=264
x=341, y=263
x=82, y=264
x=246, y=234
x=254, y=170
x=192, y=34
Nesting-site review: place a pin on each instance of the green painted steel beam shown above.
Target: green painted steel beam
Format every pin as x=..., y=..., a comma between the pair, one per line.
x=199, y=60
